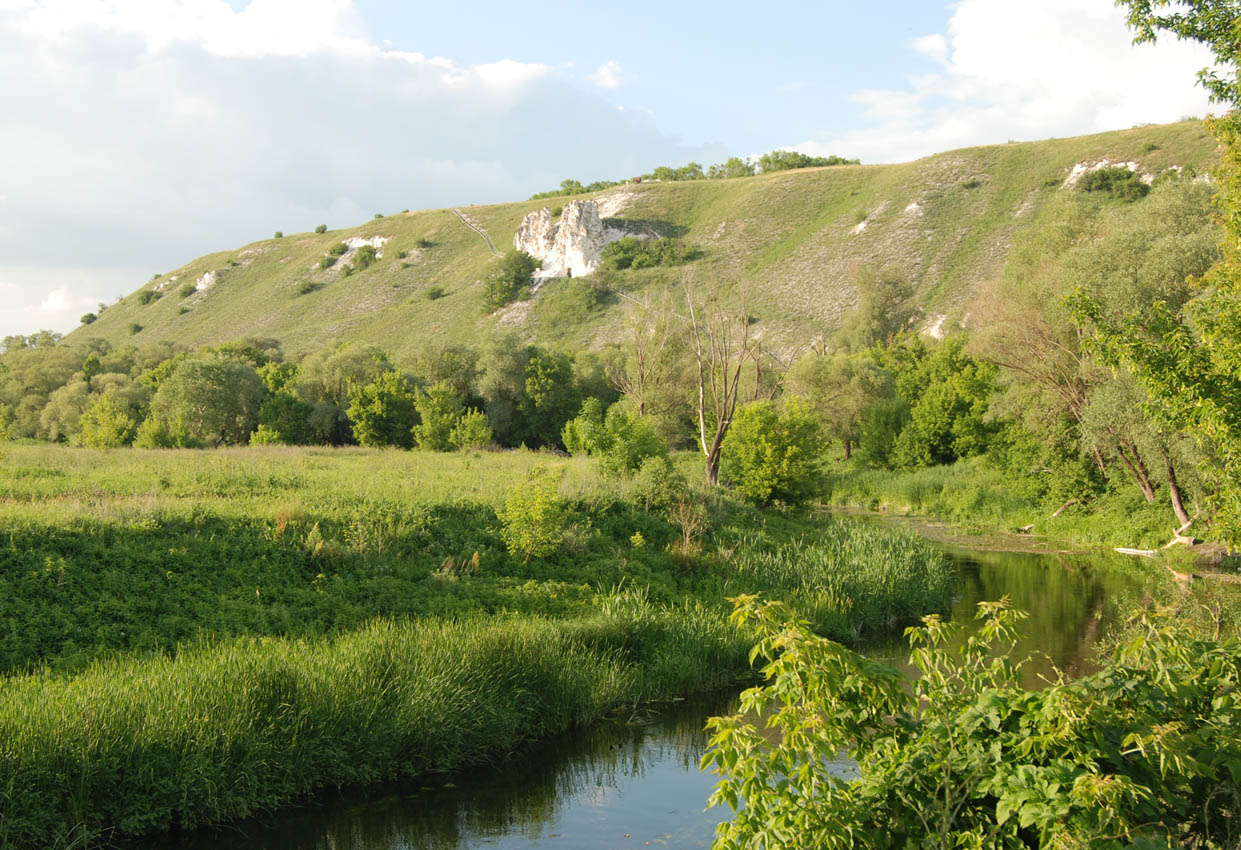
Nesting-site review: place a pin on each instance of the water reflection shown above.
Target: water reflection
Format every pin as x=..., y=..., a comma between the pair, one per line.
x=634, y=782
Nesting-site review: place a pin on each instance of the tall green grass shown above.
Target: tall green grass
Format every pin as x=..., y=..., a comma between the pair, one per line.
x=132, y=747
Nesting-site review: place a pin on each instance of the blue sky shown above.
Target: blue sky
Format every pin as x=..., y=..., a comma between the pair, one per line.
x=143, y=133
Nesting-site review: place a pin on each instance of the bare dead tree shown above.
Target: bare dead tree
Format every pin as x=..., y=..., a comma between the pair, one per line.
x=723, y=345
x=651, y=336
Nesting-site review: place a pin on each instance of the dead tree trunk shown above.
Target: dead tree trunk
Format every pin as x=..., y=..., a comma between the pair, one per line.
x=722, y=347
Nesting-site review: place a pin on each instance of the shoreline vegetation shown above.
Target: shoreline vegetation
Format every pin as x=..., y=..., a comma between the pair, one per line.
x=207, y=635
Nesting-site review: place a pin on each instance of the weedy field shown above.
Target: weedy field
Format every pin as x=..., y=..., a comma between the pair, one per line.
x=191, y=637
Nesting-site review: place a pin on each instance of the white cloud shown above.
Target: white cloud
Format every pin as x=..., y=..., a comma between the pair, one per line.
x=606, y=75
x=1026, y=71
x=60, y=301
x=183, y=127
x=6, y=286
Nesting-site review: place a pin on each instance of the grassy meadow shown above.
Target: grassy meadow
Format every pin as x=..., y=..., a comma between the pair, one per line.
x=191, y=637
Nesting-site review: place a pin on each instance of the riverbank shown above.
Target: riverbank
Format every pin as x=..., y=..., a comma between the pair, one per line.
x=193, y=637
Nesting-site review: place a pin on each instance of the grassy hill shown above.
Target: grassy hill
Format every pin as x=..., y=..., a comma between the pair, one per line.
x=789, y=243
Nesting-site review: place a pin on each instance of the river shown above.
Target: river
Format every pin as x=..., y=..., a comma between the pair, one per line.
x=634, y=782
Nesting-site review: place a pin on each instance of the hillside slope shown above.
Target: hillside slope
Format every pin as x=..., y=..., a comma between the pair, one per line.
x=789, y=243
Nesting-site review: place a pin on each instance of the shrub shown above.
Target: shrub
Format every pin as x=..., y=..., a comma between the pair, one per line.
x=471, y=431
x=584, y=435
x=434, y=292
x=87, y=318
x=265, y=436
x=972, y=183
x=534, y=516
x=779, y=160
x=365, y=257
x=439, y=408
x=382, y=412
x=321, y=229
x=379, y=216
x=401, y=255
x=147, y=296
x=1117, y=181
x=338, y=250
x=631, y=252
x=557, y=211
x=284, y=418
x=306, y=287
x=631, y=440
x=1133, y=756
x=424, y=244
x=509, y=279
x=109, y=423
x=279, y=234
x=187, y=290
x=327, y=262
x=134, y=328
x=660, y=485
x=182, y=310
x=346, y=270
x=773, y=456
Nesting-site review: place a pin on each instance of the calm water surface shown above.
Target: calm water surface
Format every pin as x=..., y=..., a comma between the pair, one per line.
x=635, y=783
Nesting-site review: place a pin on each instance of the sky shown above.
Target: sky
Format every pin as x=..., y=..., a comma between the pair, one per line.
x=140, y=134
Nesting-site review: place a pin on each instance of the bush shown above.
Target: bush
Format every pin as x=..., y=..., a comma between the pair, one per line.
x=279, y=234
x=365, y=257
x=434, y=292
x=187, y=290
x=401, y=255
x=327, y=262
x=338, y=250
x=265, y=436
x=284, y=418
x=509, y=279
x=424, y=244
x=88, y=318
x=631, y=252
x=1117, y=181
x=382, y=412
x=773, y=456
x=631, y=440
x=439, y=408
x=471, y=431
x=534, y=516
x=147, y=296
x=321, y=229
x=1133, y=756
x=660, y=485
x=109, y=423
x=306, y=287
x=134, y=328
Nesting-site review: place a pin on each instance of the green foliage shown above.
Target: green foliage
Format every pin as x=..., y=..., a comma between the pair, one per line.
x=884, y=308
x=772, y=455
x=781, y=160
x=534, y=516
x=631, y=252
x=434, y=293
x=734, y=167
x=383, y=412
x=440, y=408
x=284, y=418
x=187, y=290
x=108, y=423
x=338, y=250
x=146, y=296
x=660, y=485
x=550, y=396
x=1132, y=756
x=1117, y=181
x=842, y=390
x=322, y=228
x=204, y=401
x=584, y=434
x=134, y=328
x=622, y=440
x=365, y=257
x=509, y=279
x=279, y=235
x=87, y=318
x=471, y=431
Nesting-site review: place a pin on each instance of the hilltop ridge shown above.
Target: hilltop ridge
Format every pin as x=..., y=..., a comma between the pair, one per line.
x=790, y=243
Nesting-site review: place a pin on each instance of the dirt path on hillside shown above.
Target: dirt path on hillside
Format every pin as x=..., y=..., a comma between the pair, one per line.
x=472, y=225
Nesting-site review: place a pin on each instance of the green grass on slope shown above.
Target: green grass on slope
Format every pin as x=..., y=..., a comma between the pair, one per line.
x=787, y=243
x=216, y=633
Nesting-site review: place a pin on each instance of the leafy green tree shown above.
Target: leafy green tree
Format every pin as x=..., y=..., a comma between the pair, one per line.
x=471, y=431
x=509, y=279
x=963, y=756
x=629, y=439
x=885, y=307
x=440, y=408
x=1190, y=361
x=109, y=423
x=207, y=401
x=284, y=418
x=584, y=434
x=772, y=455
x=502, y=366
x=324, y=381
x=733, y=167
x=382, y=412
x=781, y=160
x=549, y=399
x=840, y=389
x=534, y=516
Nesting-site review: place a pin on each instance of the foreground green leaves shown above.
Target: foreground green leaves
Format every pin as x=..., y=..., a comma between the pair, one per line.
x=1144, y=753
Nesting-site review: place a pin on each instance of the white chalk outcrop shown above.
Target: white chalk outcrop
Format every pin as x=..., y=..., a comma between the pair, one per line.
x=570, y=246
x=205, y=282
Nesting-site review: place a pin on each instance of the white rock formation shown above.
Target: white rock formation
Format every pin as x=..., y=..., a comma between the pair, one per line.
x=205, y=282
x=376, y=242
x=571, y=246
